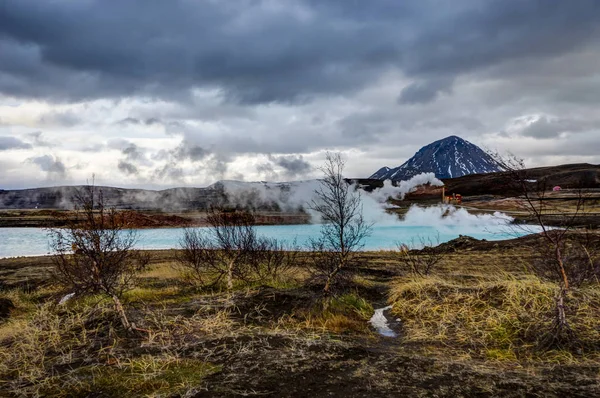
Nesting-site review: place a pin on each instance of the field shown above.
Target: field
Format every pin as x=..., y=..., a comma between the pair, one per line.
x=471, y=328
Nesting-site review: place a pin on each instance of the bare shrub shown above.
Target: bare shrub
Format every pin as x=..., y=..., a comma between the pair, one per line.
x=230, y=250
x=93, y=253
x=233, y=233
x=197, y=258
x=335, y=251
x=420, y=262
x=273, y=259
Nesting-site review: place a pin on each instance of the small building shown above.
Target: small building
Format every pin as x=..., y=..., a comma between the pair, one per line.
x=454, y=199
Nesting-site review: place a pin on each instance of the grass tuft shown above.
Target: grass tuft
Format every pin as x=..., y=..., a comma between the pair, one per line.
x=500, y=318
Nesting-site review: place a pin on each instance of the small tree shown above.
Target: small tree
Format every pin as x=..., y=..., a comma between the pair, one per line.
x=93, y=253
x=344, y=228
x=565, y=256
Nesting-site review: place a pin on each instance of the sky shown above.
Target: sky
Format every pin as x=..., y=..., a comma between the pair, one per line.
x=157, y=94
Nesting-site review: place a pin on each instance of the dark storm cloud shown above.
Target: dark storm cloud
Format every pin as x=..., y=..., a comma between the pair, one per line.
x=286, y=51
x=7, y=143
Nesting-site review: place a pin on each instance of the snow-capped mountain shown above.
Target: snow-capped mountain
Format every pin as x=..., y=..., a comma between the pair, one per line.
x=447, y=158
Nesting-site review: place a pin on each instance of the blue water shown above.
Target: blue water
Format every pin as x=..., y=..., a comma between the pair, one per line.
x=34, y=241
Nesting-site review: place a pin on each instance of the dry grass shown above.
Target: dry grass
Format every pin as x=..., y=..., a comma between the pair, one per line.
x=174, y=332
x=497, y=316
x=478, y=306
x=345, y=314
x=140, y=377
x=78, y=349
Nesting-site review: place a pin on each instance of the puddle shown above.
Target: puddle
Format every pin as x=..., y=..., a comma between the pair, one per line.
x=380, y=322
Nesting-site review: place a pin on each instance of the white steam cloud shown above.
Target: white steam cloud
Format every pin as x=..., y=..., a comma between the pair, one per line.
x=296, y=196
x=287, y=196
x=444, y=216
x=388, y=190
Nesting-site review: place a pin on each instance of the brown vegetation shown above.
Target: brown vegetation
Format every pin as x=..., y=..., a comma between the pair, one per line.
x=470, y=329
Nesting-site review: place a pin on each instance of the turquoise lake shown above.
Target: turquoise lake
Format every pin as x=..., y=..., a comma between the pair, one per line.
x=34, y=241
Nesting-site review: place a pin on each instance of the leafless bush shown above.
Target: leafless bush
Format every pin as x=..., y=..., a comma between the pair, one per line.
x=273, y=259
x=230, y=249
x=93, y=254
x=197, y=257
x=420, y=262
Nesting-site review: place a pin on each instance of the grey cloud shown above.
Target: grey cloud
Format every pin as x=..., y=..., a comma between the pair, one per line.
x=39, y=140
x=127, y=168
x=133, y=157
x=206, y=162
x=118, y=144
x=363, y=125
x=546, y=127
x=50, y=164
x=133, y=152
x=256, y=53
x=293, y=165
x=169, y=172
x=424, y=91
x=128, y=121
x=60, y=119
x=216, y=166
x=190, y=151
x=186, y=150
x=130, y=151
x=136, y=121
x=152, y=121
x=7, y=142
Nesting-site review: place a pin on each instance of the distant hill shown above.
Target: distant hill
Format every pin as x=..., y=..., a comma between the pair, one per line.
x=569, y=176
x=450, y=157
x=257, y=195
x=174, y=199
